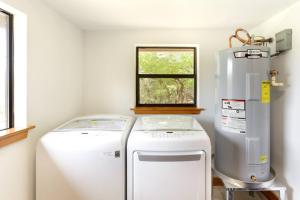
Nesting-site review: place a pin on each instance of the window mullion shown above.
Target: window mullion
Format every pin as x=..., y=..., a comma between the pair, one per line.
x=166, y=75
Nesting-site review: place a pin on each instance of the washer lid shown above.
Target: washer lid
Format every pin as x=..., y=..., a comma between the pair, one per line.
x=167, y=122
x=103, y=124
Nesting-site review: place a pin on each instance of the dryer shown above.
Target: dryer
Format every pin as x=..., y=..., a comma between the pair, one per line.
x=84, y=159
x=168, y=158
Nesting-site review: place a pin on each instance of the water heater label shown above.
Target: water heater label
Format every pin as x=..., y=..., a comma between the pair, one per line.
x=254, y=51
x=233, y=104
x=234, y=115
x=265, y=92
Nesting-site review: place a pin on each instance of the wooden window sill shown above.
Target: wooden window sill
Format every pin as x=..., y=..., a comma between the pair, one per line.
x=167, y=110
x=12, y=135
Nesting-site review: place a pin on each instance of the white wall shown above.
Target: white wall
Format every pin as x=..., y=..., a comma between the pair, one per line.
x=109, y=81
x=285, y=104
x=54, y=71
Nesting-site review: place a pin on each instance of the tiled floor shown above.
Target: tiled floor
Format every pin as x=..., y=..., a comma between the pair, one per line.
x=219, y=194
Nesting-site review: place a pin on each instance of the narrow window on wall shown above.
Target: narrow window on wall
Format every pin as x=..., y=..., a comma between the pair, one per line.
x=166, y=76
x=6, y=70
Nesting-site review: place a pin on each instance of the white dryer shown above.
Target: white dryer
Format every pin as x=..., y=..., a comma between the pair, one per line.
x=83, y=159
x=168, y=158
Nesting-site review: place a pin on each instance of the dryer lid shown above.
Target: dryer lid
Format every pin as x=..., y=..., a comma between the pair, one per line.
x=102, y=124
x=167, y=122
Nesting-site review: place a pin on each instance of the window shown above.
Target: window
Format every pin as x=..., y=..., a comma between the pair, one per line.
x=166, y=76
x=6, y=70
x=13, y=86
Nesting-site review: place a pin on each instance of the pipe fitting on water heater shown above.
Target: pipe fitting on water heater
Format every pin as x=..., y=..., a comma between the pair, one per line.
x=274, y=74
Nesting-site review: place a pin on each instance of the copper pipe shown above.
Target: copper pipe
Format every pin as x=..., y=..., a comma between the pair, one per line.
x=230, y=39
x=249, y=41
x=244, y=41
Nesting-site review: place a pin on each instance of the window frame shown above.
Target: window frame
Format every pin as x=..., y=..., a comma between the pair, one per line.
x=10, y=68
x=139, y=76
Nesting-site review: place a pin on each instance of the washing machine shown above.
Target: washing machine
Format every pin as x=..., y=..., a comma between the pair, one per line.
x=84, y=159
x=168, y=158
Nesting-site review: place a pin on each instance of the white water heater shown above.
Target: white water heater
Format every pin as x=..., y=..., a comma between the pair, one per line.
x=242, y=119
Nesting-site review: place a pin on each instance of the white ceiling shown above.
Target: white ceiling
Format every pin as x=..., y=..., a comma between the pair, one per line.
x=200, y=14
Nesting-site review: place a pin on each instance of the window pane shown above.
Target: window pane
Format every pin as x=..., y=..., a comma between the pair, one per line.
x=166, y=60
x=166, y=91
x=4, y=19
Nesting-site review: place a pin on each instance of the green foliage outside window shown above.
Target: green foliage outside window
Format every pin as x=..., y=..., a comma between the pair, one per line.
x=159, y=89
x=166, y=62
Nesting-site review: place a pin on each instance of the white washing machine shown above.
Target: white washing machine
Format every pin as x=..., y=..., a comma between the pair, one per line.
x=168, y=158
x=83, y=159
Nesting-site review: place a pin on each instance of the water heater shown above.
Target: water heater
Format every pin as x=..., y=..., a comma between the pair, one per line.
x=242, y=119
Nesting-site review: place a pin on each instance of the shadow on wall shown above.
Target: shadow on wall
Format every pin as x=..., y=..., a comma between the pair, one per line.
x=279, y=109
x=208, y=124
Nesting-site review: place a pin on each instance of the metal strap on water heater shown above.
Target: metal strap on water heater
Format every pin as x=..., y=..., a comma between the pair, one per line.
x=252, y=54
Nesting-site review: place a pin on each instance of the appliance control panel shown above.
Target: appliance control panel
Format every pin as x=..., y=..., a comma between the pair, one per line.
x=172, y=134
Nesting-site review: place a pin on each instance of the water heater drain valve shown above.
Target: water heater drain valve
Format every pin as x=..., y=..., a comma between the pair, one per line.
x=253, y=178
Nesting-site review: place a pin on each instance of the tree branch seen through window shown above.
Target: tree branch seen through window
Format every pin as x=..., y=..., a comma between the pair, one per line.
x=166, y=76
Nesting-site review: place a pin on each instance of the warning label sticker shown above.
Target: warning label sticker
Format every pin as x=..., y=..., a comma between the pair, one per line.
x=265, y=92
x=234, y=115
x=233, y=104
